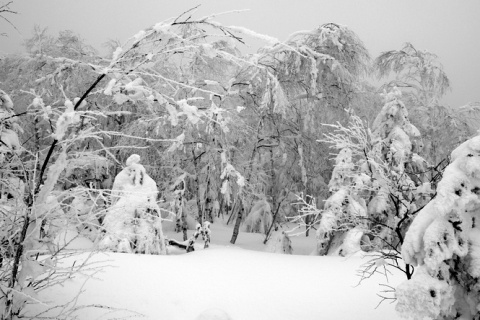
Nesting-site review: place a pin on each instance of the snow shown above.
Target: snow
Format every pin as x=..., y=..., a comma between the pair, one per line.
x=270, y=40
x=229, y=282
x=425, y=295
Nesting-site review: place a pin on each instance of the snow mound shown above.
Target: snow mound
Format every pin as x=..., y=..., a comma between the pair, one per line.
x=213, y=314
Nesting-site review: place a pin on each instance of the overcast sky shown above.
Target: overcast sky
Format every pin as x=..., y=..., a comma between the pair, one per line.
x=448, y=28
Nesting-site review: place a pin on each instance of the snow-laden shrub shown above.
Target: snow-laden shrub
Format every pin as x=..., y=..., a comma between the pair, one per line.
x=133, y=222
x=259, y=218
x=280, y=243
x=444, y=241
x=343, y=211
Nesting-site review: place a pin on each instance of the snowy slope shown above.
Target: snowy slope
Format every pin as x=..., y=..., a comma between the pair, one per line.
x=245, y=284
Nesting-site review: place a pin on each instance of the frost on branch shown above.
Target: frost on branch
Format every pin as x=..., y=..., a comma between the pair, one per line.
x=444, y=241
x=133, y=222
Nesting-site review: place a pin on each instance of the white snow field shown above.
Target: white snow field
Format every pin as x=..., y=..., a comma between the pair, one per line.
x=236, y=282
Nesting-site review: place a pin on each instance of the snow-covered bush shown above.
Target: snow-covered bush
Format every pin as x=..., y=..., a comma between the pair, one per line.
x=343, y=209
x=34, y=229
x=443, y=241
x=259, y=218
x=133, y=222
x=280, y=242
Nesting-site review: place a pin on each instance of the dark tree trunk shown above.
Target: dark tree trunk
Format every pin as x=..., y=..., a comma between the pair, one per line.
x=197, y=187
x=237, y=224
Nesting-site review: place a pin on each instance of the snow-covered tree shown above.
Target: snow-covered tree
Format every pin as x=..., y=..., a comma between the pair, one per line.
x=309, y=78
x=133, y=222
x=67, y=45
x=377, y=183
x=35, y=230
x=423, y=81
x=443, y=241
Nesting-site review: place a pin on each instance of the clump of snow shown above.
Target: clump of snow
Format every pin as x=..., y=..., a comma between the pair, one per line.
x=424, y=296
x=350, y=242
x=177, y=143
x=5, y=101
x=270, y=40
x=109, y=89
x=82, y=104
x=134, y=159
x=139, y=35
x=67, y=118
x=8, y=127
x=116, y=54
x=191, y=111
x=173, y=114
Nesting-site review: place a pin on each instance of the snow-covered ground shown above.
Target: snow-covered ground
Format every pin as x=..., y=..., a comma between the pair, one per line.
x=230, y=282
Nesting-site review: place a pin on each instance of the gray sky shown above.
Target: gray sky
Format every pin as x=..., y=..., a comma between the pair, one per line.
x=450, y=29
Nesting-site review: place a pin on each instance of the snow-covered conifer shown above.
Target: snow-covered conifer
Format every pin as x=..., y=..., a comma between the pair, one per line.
x=133, y=222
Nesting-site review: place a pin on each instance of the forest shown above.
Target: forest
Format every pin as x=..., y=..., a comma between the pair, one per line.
x=181, y=131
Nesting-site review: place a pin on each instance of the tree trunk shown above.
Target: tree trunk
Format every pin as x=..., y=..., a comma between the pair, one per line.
x=273, y=223
x=16, y=262
x=208, y=199
x=197, y=186
x=237, y=224
x=249, y=175
x=184, y=219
